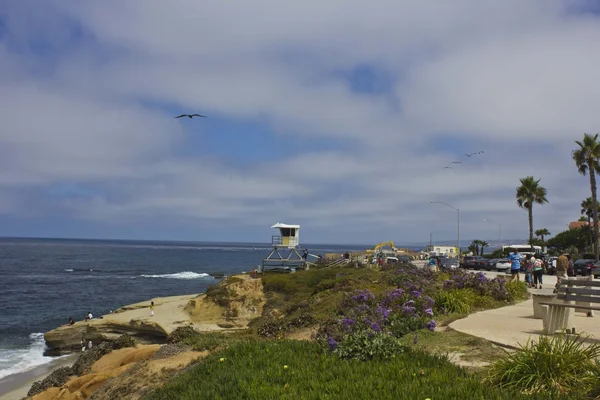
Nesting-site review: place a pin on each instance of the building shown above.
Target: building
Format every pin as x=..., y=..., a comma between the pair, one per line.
x=447, y=251
x=579, y=224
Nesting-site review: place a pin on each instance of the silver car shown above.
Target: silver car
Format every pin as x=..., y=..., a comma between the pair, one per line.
x=503, y=265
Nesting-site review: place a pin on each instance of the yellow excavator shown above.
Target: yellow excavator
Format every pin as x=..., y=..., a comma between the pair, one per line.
x=384, y=244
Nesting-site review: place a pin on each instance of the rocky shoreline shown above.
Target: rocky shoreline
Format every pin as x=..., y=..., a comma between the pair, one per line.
x=129, y=356
x=233, y=303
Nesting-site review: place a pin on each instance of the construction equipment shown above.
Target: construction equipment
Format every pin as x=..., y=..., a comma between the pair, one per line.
x=384, y=244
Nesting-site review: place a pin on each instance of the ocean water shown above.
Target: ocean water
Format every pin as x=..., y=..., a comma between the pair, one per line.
x=43, y=282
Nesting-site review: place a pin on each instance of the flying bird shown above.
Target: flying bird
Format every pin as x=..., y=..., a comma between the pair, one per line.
x=468, y=155
x=447, y=167
x=456, y=162
x=474, y=154
x=191, y=116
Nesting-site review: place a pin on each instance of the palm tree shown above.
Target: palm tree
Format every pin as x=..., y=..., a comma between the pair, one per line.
x=528, y=193
x=587, y=159
x=586, y=209
x=542, y=232
x=483, y=245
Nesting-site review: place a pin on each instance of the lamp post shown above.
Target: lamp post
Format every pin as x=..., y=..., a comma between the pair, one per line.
x=431, y=238
x=499, y=227
x=457, y=223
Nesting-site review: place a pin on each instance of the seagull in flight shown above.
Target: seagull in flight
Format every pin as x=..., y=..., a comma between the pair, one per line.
x=456, y=162
x=191, y=116
x=474, y=154
x=447, y=167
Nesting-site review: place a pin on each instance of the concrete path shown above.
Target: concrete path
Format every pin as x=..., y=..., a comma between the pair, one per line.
x=514, y=325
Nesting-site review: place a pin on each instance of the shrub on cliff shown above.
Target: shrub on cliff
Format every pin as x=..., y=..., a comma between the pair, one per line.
x=57, y=378
x=302, y=370
x=181, y=333
x=89, y=357
x=123, y=341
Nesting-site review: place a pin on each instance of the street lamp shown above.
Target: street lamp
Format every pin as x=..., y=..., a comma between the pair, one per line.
x=499, y=227
x=457, y=223
x=431, y=238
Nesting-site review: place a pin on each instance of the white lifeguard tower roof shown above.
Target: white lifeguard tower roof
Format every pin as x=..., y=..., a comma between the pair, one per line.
x=280, y=225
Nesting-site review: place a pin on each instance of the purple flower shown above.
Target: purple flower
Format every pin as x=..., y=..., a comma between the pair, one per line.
x=431, y=325
x=384, y=311
x=415, y=293
x=361, y=308
x=375, y=326
x=332, y=343
x=363, y=296
x=429, y=312
x=429, y=302
x=410, y=303
x=409, y=311
x=448, y=284
x=348, y=323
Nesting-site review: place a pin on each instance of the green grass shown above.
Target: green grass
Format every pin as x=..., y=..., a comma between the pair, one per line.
x=200, y=341
x=257, y=371
x=470, y=348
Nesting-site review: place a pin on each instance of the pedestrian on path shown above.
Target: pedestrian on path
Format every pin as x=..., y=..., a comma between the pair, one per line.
x=562, y=265
x=529, y=270
x=538, y=273
x=515, y=266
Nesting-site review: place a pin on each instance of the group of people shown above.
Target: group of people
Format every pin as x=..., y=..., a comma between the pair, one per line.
x=534, y=268
x=434, y=263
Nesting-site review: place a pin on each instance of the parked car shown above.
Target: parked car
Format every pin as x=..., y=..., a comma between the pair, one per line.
x=584, y=266
x=473, y=262
x=490, y=265
x=404, y=259
x=596, y=270
x=448, y=263
x=503, y=265
x=551, y=266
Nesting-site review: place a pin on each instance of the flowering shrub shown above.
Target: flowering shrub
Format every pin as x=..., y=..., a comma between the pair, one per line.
x=369, y=328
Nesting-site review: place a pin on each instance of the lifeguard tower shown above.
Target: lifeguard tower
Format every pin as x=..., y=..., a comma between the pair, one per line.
x=285, y=254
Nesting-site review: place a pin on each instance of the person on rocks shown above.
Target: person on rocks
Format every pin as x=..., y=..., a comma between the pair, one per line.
x=82, y=344
x=152, y=309
x=89, y=316
x=71, y=322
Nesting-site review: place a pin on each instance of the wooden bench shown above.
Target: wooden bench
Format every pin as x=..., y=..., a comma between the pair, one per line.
x=584, y=292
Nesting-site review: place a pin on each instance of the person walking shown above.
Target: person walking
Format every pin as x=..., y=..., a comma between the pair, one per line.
x=529, y=260
x=152, y=309
x=515, y=266
x=562, y=265
x=538, y=273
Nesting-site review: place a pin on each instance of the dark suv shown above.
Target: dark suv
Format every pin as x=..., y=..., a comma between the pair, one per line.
x=473, y=262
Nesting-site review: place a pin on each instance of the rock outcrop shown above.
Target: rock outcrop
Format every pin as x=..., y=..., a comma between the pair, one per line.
x=231, y=305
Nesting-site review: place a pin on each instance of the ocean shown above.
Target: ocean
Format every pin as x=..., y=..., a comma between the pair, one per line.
x=43, y=282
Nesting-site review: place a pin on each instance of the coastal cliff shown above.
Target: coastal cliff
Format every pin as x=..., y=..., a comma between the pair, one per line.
x=230, y=305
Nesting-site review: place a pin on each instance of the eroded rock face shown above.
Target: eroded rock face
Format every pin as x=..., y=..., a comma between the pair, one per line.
x=230, y=305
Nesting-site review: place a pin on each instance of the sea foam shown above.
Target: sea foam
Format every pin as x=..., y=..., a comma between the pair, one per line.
x=179, y=275
x=14, y=361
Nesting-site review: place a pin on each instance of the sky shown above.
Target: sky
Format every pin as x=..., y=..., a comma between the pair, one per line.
x=339, y=116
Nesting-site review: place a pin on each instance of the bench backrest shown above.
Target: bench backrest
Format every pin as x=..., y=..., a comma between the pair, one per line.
x=579, y=290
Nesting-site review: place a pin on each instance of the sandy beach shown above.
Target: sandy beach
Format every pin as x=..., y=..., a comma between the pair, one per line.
x=15, y=387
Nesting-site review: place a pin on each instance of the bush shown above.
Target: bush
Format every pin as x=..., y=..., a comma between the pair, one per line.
x=516, y=290
x=181, y=333
x=364, y=345
x=558, y=365
x=57, y=378
x=302, y=370
x=451, y=301
x=123, y=341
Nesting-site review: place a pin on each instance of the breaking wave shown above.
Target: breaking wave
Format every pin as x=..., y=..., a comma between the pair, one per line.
x=180, y=275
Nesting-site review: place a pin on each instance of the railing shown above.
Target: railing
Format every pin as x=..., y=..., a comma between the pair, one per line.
x=278, y=241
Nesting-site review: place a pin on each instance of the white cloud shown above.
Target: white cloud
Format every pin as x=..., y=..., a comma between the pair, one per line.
x=518, y=79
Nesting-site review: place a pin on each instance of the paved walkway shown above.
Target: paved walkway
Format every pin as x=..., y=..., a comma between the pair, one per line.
x=513, y=325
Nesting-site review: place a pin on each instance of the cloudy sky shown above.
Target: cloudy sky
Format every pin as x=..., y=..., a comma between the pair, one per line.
x=336, y=115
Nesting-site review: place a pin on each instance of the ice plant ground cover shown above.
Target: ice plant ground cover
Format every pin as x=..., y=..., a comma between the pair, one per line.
x=367, y=324
x=257, y=371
